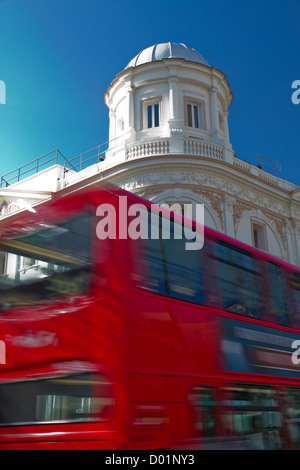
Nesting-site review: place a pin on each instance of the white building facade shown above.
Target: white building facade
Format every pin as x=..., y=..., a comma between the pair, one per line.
x=169, y=142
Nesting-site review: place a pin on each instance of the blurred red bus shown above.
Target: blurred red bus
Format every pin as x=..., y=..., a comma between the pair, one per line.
x=142, y=344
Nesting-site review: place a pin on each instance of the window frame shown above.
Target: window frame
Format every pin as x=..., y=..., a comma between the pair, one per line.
x=262, y=240
x=68, y=387
x=3, y=263
x=256, y=272
x=144, y=104
x=166, y=286
x=275, y=296
x=200, y=105
x=13, y=285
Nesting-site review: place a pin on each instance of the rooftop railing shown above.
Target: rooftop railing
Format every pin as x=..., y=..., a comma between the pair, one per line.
x=88, y=158
x=134, y=150
x=268, y=165
x=54, y=157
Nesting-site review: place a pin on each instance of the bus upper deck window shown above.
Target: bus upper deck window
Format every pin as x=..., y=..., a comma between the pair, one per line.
x=45, y=262
x=278, y=290
x=296, y=287
x=239, y=281
x=184, y=266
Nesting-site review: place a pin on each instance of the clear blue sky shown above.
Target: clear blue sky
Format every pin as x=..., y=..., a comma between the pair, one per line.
x=58, y=57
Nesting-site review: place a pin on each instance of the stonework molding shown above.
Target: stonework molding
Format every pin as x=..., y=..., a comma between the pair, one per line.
x=204, y=177
x=229, y=187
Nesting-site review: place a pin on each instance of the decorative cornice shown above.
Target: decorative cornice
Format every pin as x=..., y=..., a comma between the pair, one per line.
x=211, y=176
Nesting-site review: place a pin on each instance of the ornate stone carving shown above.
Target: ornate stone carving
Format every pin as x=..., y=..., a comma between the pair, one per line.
x=231, y=188
x=3, y=209
x=8, y=208
x=279, y=225
x=228, y=202
x=238, y=210
x=215, y=202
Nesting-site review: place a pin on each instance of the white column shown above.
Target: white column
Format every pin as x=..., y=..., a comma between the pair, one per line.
x=175, y=124
x=112, y=125
x=173, y=99
x=214, y=118
x=226, y=128
x=130, y=108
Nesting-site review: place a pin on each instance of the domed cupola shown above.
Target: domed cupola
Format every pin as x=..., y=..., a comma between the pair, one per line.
x=170, y=99
x=167, y=50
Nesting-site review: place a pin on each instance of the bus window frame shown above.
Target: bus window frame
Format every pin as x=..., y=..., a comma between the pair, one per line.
x=257, y=272
x=51, y=217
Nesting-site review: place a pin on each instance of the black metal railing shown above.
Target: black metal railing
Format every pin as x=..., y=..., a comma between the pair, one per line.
x=55, y=157
x=88, y=158
x=268, y=165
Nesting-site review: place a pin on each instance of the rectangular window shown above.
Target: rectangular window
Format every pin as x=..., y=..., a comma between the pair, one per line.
x=259, y=236
x=153, y=115
x=165, y=266
x=149, y=272
x=194, y=115
x=293, y=297
x=239, y=281
x=202, y=400
x=296, y=287
x=293, y=415
x=2, y=264
x=184, y=267
x=70, y=398
x=255, y=237
x=149, y=116
x=278, y=292
x=46, y=262
x=156, y=115
x=256, y=416
x=240, y=416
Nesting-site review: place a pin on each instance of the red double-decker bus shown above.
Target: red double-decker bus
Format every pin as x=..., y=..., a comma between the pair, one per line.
x=120, y=342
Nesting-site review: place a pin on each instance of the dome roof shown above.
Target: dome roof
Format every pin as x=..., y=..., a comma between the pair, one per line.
x=167, y=50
